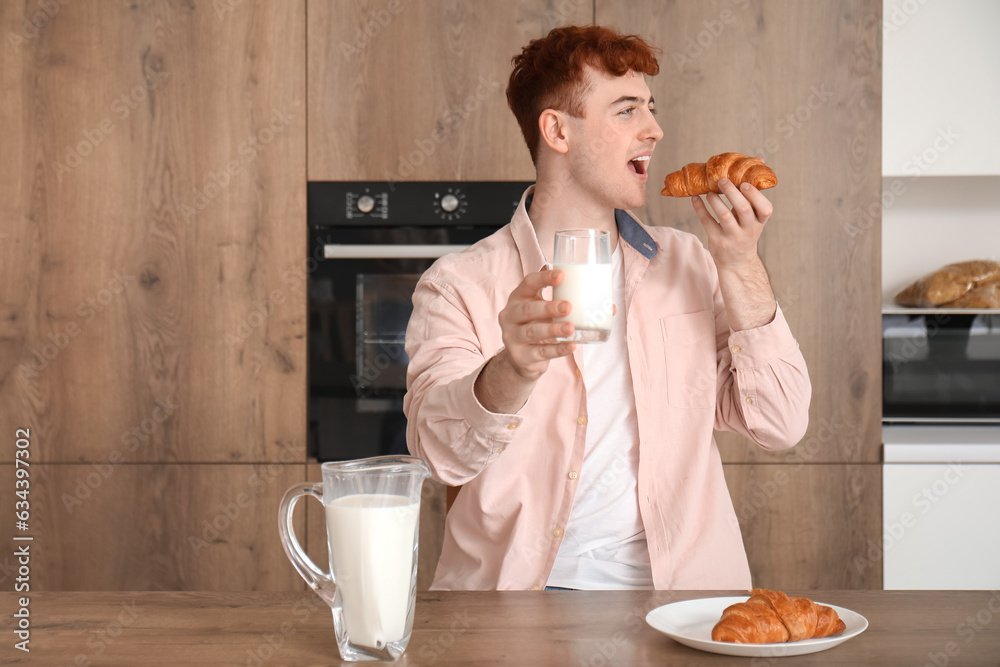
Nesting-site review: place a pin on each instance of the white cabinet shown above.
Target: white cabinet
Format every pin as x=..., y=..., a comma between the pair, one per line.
x=940, y=87
x=940, y=199
x=941, y=514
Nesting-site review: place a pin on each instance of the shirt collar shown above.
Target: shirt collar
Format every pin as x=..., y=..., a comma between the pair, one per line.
x=532, y=258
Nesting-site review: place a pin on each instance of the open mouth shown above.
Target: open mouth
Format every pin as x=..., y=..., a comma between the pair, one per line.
x=638, y=165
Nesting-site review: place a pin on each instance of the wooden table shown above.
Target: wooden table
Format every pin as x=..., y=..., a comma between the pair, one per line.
x=573, y=628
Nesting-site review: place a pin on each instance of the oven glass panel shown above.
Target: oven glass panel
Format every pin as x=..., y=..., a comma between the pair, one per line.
x=383, y=307
x=941, y=366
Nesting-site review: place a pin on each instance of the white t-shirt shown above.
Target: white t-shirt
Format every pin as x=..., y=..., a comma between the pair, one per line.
x=604, y=545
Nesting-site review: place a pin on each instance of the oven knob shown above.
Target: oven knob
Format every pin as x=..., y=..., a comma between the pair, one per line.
x=449, y=203
x=365, y=204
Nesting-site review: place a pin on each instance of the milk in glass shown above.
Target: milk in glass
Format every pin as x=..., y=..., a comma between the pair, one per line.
x=588, y=288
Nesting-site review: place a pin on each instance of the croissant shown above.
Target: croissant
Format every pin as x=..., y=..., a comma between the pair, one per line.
x=700, y=178
x=771, y=616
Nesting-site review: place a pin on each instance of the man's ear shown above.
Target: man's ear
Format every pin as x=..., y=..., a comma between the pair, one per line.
x=554, y=130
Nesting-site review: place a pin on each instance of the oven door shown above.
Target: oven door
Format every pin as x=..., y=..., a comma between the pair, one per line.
x=941, y=366
x=361, y=284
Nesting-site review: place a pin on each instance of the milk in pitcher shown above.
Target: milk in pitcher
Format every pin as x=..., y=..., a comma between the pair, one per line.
x=371, y=538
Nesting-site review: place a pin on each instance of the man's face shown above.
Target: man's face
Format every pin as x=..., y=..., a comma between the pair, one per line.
x=611, y=145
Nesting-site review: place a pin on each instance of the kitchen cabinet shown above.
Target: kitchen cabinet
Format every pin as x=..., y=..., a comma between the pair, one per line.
x=940, y=70
x=809, y=526
x=798, y=84
x=743, y=76
x=940, y=140
x=154, y=205
x=940, y=203
x=153, y=233
x=152, y=321
x=941, y=524
x=415, y=90
x=153, y=527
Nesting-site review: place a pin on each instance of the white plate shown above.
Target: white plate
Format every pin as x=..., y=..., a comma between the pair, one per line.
x=691, y=622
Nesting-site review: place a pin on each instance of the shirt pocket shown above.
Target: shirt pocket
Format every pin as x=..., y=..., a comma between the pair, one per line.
x=689, y=355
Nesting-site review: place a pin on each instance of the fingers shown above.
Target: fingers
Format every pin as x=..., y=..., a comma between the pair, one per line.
x=749, y=205
x=533, y=283
x=722, y=212
x=760, y=203
x=524, y=310
x=715, y=229
x=551, y=351
x=709, y=224
x=541, y=333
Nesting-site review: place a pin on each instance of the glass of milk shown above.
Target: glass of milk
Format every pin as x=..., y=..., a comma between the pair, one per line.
x=584, y=257
x=372, y=509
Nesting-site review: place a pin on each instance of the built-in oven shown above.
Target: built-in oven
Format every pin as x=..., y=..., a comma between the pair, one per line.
x=941, y=448
x=369, y=242
x=941, y=366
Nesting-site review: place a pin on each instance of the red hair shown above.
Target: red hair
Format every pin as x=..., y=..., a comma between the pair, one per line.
x=549, y=72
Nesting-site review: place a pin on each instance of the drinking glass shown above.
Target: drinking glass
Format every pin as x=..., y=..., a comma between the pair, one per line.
x=584, y=256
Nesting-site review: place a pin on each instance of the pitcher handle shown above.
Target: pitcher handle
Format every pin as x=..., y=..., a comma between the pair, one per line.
x=321, y=582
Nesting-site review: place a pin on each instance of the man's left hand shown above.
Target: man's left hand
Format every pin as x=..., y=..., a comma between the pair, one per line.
x=732, y=239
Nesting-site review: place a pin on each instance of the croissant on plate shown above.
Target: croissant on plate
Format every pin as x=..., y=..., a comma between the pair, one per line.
x=771, y=616
x=700, y=178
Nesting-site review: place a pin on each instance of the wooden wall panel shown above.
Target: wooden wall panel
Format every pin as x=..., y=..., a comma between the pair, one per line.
x=431, y=529
x=153, y=189
x=798, y=83
x=809, y=526
x=155, y=527
x=422, y=97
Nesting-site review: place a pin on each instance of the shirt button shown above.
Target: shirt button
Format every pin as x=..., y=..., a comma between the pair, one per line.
x=511, y=426
x=581, y=421
x=501, y=448
x=573, y=474
x=736, y=349
x=536, y=587
x=578, y=373
x=749, y=400
x=558, y=532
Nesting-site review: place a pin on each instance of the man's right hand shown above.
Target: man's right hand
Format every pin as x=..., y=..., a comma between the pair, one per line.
x=529, y=334
x=529, y=338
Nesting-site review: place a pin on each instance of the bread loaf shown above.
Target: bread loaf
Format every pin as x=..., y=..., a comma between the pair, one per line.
x=984, y=296
x=948, y=284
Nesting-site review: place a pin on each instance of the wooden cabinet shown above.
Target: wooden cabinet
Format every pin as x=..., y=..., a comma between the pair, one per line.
x=154, y=527
x=152, y=323
x=809, y=526
x=415, y=90
x=152, y=253
x=154, y=231
x=739, y=76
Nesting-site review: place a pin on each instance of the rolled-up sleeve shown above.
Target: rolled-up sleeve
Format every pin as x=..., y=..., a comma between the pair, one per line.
x=764, y=387
x=446, y=425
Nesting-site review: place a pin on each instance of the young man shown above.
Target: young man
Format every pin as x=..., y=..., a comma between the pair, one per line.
x=595, y=466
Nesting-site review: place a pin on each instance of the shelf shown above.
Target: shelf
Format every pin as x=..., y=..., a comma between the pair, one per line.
x=930, y=177
x=899, y=310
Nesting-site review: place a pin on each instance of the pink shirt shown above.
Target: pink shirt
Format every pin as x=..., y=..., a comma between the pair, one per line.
x=691, y=374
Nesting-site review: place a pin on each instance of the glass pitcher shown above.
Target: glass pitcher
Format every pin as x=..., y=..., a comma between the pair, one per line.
x=372, y=511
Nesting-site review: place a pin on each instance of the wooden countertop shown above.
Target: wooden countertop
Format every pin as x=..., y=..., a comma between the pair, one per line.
x=473, y=628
